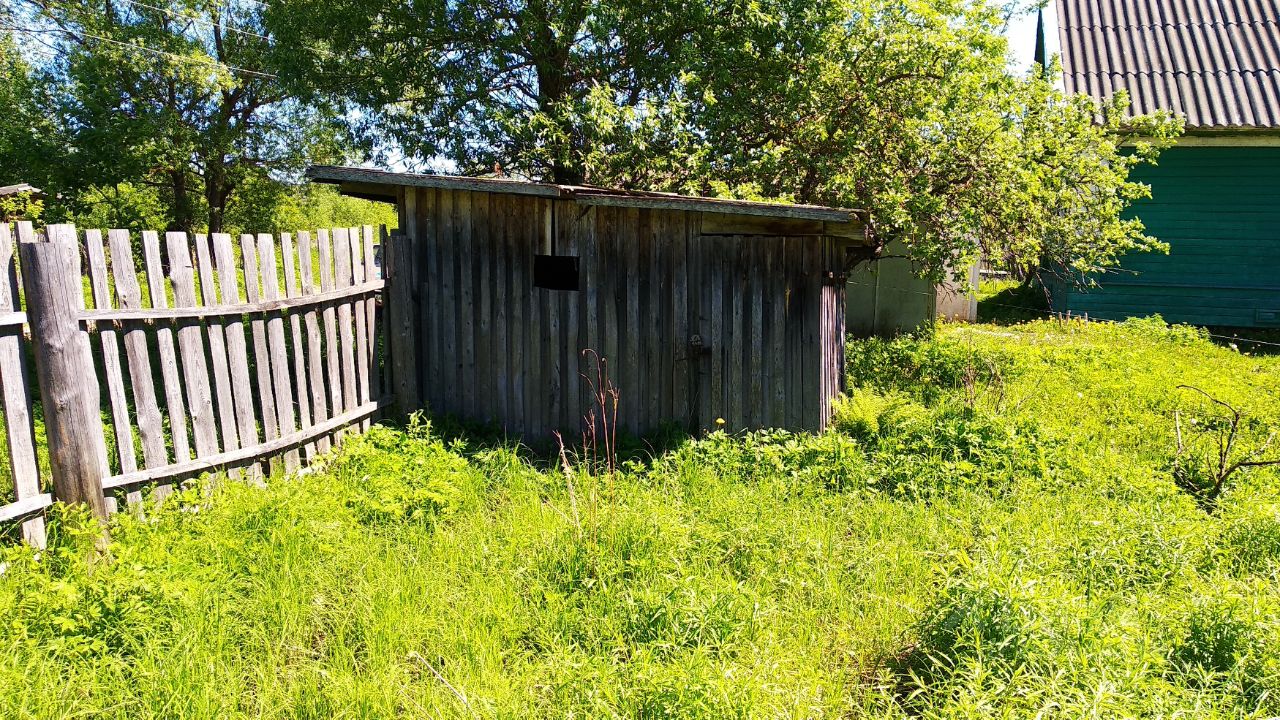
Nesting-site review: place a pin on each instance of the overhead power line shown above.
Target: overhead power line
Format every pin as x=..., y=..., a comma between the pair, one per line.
x=207, y=62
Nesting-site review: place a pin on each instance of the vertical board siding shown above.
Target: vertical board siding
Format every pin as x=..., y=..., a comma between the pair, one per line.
x=500, y=350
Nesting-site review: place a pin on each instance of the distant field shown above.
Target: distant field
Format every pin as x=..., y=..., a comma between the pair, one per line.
x=993, y=529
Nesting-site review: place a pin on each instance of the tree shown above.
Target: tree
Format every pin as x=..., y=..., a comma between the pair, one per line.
x=537, y=88
x=176, y=95
x=27, y=136
x=907, y=109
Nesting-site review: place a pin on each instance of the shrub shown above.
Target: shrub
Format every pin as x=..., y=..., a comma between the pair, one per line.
x=403, y=476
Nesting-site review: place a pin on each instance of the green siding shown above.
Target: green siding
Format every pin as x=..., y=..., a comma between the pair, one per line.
x=1219, y=210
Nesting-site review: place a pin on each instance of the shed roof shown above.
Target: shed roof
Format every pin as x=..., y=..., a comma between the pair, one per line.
x=1215, y=61
x=379, y=184
x=19, y=188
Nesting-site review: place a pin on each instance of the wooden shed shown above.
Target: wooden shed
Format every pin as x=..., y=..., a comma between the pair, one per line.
x=704, y=309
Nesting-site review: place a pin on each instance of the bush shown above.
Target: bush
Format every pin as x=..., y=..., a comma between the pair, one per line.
x=403, y=476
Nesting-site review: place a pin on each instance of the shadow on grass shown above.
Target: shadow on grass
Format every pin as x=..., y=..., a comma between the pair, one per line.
x=1012, y=304
x=1256, y=341
x=477, y=437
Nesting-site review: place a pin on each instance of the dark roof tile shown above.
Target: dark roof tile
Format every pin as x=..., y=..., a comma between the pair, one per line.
x=1215, y=61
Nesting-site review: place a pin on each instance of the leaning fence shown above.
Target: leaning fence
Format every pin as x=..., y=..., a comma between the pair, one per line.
x=129, y=362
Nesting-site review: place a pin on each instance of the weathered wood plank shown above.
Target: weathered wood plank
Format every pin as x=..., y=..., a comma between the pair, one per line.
x=110, y=354
x=610, y=269
x=173, y=400
x=683, y=395
x=737, y=381
x=373, y=273
x=15, y=392
x=500, y=343
x=329, y=315
x=221, y=363
x=518, y=274
x=426, y=246
x=629, y=346
x=592, y=347
x=776, y=271
x=141, y=377
x=717, y=323
x=535, y=338
x=469, y=259
x=363, y=390
x=446, y=243
x=795, y=331
x=195, y=371
x=261, y=346
x=398, y=256
x=224, y=310
x=482, y=256
x=297, y=352
x=281, y=383
x=315, y=348
x=573, y=236
x=658, y=341
x=346, y=332
x=755, y=347
x=224, y=257
x=285, y=443
x=731, y=207
x=64, y=367
x=27, y=507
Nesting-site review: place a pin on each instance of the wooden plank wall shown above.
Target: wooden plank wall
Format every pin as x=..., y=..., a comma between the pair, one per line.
x=692, y=327
x=183, y=352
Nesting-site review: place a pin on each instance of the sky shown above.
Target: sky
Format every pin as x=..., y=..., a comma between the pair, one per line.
x=1021, y=34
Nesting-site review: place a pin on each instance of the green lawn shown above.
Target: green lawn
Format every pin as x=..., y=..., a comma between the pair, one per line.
x=993, y=530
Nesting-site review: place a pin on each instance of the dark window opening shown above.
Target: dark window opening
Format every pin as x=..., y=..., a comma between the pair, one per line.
x=555, y=272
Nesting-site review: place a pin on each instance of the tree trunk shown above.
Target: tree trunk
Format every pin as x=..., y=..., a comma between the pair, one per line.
x=217, y=190
x=184, y=212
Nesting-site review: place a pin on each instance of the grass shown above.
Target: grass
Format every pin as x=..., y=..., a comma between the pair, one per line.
x=990, y=530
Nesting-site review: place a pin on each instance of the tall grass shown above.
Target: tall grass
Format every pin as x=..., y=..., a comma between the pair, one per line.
x=990, y=530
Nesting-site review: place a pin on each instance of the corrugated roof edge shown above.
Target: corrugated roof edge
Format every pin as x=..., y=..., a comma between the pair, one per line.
x=582, y=195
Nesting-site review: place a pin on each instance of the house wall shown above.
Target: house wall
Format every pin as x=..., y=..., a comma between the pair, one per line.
x=1218, y=208
x=696, y=319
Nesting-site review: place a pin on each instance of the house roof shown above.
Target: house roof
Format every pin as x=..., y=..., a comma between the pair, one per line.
x=1217, y=62
x=380, y=184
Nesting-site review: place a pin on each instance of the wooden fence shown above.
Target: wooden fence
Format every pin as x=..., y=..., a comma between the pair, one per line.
x=190, y=358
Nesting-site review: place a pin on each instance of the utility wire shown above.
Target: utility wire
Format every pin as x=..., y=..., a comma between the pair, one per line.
x=210, y=62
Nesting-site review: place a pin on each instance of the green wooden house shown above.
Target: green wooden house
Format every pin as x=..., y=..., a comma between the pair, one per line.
x=1216, y=195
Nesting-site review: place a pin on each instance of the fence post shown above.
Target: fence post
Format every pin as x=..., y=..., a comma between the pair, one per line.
x=64, y=365
x=401, y=338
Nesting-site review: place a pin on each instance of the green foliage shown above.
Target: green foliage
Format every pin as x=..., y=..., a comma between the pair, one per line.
x=170, y=103
x=403, y=476
x=955, y=547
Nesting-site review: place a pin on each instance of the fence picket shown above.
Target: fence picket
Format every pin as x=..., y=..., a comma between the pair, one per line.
x=315, y=349
x=237, y=351
x=220, y=362
x=195, y=371
x=280, y=379
x=111, y=358
x=141, y=379
x=289, y=257
x=330, y=316
x=168, y=356
x=342, y=277
x=261, y=353
x=15, y=384
x=334, y=375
